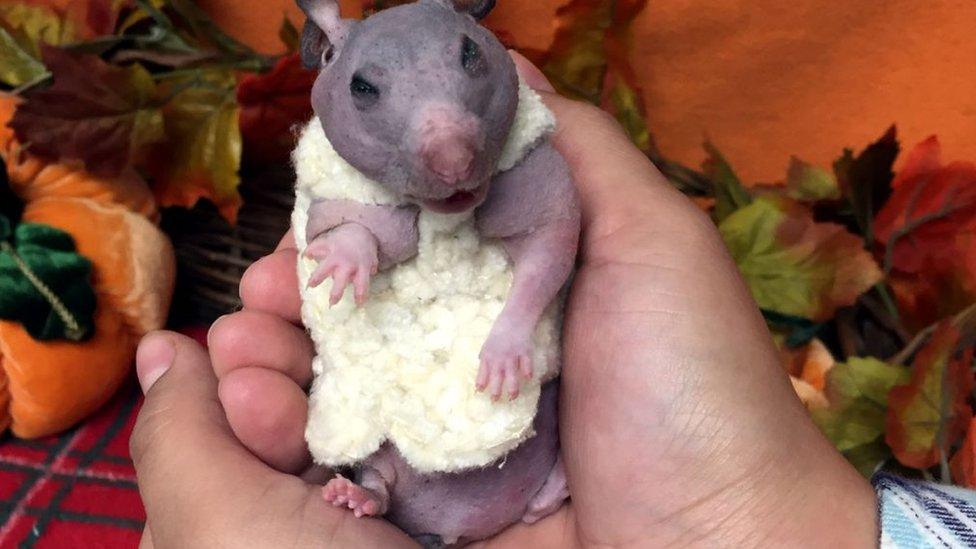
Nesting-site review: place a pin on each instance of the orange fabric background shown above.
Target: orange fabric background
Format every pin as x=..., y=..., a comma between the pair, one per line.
x=765, y=79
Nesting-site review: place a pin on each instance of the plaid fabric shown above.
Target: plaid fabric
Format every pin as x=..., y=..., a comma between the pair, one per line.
x=76, y=490
x=917, y=514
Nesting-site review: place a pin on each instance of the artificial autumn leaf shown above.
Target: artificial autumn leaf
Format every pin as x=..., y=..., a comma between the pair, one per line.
x=730, y=194
x=290, y=36
x=927, y=236
x=963, y=464
x=202, y=153
x=36, y=25
x=795, y=266
x=95, y=113
x=622, y=96
x=809, y=183
x=858, y=394
x=44, y=283
x=272, y=105
x=930, y=414
x=865, y=180
x=17, y=67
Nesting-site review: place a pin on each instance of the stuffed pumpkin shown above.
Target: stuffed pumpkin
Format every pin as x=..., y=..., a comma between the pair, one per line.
x=47, y=386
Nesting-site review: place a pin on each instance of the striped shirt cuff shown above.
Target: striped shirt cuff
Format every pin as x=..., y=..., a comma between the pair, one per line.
x=924, y=514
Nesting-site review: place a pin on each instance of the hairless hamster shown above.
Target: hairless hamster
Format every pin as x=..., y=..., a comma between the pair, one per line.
x=421, y=98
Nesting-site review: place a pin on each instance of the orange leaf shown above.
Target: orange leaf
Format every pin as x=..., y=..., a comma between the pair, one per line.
x=930, y=414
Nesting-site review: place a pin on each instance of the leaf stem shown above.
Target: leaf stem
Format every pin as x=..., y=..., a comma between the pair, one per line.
x=74, y=330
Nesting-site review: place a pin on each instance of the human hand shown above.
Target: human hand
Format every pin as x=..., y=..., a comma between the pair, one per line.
x=678, y=425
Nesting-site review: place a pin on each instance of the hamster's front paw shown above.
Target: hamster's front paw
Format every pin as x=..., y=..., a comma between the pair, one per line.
x=506, y=361
x=347, y=254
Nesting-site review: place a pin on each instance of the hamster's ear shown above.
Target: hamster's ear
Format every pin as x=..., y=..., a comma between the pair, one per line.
x=479, y=9
x=324, y=32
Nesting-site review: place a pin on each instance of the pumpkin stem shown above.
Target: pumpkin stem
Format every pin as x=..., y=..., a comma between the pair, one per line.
x=73, y=331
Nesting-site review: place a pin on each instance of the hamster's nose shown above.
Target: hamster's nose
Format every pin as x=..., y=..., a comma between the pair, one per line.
x=448, y=141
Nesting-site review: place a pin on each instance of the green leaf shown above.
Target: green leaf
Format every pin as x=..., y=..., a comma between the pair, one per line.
x=204, y=154
x=795, y=266
x=36, y=25
x=808, y=183
x=17, y=67
x=289, y=35
x=929, y=413
x=855, y=420
x=730, y=194
x=869, y=458
x=44, y=283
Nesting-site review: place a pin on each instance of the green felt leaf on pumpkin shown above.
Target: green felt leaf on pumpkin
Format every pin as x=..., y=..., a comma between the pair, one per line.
x=795, y=266
x=17, y=66
x=202, y=154
x=730, y=194
x=930, y=413
x=44, y=282
x=809, y=183
x=94, y=112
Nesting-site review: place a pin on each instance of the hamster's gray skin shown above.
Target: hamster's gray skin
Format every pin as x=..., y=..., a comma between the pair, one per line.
x=421, y=98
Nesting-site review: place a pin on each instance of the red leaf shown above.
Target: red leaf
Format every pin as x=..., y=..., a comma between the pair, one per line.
x=95, y=113
x=964, y=462
x=926, y=232
x=272, y=105
x=931, y=413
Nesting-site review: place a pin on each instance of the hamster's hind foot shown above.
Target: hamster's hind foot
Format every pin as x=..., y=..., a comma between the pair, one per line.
x=342, y=492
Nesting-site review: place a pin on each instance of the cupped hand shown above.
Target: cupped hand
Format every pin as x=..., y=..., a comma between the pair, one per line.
x=678, y=425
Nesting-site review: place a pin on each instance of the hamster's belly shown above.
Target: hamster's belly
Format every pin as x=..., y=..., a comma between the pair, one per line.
x=476, y=504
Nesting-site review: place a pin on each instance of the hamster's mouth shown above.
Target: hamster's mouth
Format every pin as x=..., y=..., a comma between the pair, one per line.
x=458, y=202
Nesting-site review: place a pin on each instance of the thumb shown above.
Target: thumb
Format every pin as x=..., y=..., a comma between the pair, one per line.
x=201, y=487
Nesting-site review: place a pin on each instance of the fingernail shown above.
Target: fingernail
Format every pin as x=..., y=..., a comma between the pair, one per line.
x=153, y=359
x=531, y=74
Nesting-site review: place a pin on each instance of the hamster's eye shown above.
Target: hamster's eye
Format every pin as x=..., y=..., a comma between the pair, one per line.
x=471, y=58
x=362, y=89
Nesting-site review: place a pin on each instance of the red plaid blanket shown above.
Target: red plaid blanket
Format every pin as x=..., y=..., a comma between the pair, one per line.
x=75, y=490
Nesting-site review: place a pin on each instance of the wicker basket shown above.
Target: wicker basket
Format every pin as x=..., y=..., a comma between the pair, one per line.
x=212, y=255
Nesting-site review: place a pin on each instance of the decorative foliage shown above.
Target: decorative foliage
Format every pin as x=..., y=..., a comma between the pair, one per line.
x=795, y=266
x=95, y=113
x=930, y=414
x=149, y=85
x=866, y=260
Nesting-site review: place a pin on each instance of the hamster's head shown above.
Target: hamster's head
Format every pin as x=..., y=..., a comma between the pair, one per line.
x=420, y=97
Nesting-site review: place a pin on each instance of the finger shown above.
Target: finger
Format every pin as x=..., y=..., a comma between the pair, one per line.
x=267, y=411
x=322, y=272
x=482, y=380
x=511, y=381
x=199, y=483
x=281, y=346
x=361, y=284
x=145, y=542
x=270, y=285
x=340, y=279
x=525, y=366
x=496, y=378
